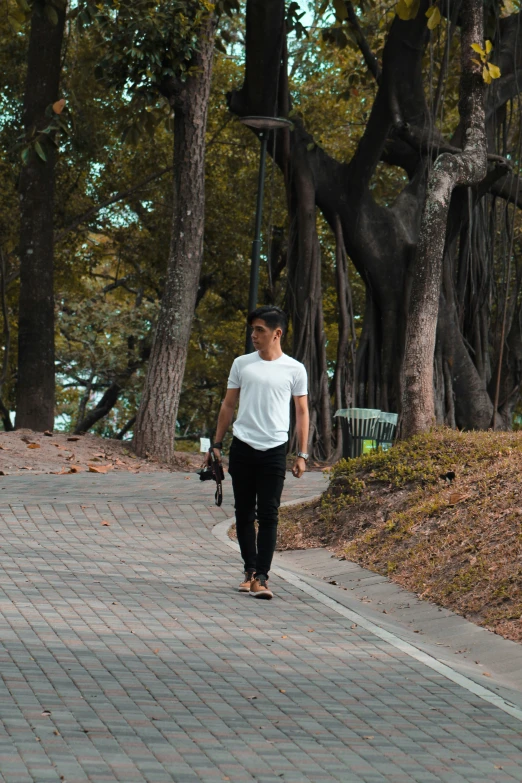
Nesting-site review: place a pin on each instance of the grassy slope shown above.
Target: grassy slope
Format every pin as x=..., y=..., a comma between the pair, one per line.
x=458, y=544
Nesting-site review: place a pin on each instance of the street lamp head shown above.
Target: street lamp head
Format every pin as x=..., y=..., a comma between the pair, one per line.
x=266, y=123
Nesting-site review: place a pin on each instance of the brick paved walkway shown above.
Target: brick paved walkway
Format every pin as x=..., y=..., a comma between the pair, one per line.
x=127, y=656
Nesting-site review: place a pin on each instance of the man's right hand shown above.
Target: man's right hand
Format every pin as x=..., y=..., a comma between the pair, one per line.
x=217, y=453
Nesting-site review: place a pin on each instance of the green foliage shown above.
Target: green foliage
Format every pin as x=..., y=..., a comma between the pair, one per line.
x=147, y=46
x=19, y=11
x=149, y=41
x=118, y=60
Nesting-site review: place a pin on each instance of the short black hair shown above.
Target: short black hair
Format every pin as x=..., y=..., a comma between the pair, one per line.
x=273, y=316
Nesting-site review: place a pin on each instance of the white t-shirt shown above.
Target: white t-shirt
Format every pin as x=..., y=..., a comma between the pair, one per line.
x=267, y=388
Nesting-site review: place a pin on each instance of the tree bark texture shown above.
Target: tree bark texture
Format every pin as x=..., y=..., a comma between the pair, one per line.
x=343, y=382
x=449, y=171
x=155, y=429
x=382, y=241
x=35, y=392
x=4, y=413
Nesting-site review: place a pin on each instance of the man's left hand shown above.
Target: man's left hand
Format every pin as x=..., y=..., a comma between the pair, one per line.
x=299, y=467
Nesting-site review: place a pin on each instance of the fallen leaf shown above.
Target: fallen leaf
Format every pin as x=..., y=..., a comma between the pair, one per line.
x=74, y=438
x=156, y=651
x=46, y=713
x=284, y=637
x=455, y=497
x=2, y=473
x=60, y=472
x=49, y=433
x=282, y=690
x=486, y=674
x=353, y=626
x=76, y=469
x=310, y=630
x=100, y=468
x=105, y=523
x=369, y=736
x=33, y=446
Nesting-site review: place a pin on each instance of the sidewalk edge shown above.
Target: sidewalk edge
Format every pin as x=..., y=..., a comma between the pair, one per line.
x=220, y=531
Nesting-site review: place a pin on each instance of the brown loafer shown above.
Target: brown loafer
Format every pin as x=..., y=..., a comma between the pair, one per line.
x=244, y=587
x=259, y=587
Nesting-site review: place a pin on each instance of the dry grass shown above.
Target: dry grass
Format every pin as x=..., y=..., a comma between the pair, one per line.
x=457, y=543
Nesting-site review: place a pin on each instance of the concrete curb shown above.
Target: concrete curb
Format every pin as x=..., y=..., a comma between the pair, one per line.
x=507, y=693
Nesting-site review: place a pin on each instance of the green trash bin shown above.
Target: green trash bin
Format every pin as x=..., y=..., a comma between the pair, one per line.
x=358, y=427
x=385, y=430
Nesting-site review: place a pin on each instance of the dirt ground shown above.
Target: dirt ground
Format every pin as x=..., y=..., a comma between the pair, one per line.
x=63, y=453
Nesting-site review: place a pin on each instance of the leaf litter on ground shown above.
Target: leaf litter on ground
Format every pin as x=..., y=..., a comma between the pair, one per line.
x=457, y=543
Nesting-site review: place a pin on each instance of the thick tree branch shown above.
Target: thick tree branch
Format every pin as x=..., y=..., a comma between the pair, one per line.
x=370, y=59
x=508, y=188
x=125, y=429
x=400, y=98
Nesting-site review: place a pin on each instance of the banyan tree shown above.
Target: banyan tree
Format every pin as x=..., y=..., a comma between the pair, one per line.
x=477, y=338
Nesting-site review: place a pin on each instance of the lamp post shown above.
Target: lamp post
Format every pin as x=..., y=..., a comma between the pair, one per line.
x=263, y=125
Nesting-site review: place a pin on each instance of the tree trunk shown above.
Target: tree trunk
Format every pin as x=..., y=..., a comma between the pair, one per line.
x=343, y=385
x=449, y=171
x=155, y=429
x=36, y=383
x=4, y=413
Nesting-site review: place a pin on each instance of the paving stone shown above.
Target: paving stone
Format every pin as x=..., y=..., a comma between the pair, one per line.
x=153, y=668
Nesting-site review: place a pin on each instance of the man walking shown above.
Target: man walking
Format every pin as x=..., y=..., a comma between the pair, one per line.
x=264, y=381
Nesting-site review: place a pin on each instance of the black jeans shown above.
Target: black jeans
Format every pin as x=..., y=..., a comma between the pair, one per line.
x=257, y=480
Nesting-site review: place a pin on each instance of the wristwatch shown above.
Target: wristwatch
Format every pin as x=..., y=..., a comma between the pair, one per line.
x=303, y=455
x=217, y=446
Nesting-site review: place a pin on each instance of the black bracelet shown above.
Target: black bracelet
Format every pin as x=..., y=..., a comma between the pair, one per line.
x=217, y=446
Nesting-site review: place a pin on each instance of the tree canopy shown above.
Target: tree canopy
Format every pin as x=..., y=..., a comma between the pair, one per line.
x=372, y=89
